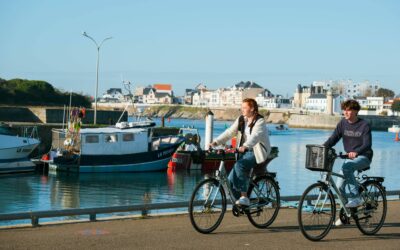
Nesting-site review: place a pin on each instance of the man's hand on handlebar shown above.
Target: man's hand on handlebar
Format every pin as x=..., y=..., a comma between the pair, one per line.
x=352, y=155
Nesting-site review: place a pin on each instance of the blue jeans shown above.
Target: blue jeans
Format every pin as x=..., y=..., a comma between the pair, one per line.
x=348, y=169
x=239, y=176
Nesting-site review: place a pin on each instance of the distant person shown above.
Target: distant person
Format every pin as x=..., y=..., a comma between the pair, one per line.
x=249, y=129
x=357, y=142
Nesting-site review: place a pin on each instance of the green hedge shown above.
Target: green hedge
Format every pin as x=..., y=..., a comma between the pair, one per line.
x=34, y=92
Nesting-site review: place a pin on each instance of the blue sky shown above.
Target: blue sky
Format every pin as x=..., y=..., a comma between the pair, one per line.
x=277, y=44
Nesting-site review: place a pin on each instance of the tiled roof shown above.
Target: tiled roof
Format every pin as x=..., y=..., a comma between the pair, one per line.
x=162, y=86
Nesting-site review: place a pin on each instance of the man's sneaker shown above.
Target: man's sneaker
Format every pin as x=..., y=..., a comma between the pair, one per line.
x=354, y=203
x=243, y=201
x=338, y=222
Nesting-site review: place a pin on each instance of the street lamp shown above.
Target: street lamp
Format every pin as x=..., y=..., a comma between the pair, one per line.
x=97, y=70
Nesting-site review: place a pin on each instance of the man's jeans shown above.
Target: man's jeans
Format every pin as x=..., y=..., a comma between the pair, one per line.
x=239, y=176
x=348, y=169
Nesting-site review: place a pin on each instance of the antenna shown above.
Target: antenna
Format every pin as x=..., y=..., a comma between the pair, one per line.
x=127, y=87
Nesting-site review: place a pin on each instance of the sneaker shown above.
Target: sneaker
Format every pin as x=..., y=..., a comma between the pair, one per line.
x=243, y=201
x=338, y=222
x=354, y=203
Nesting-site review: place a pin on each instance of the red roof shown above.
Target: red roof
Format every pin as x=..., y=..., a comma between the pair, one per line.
x=162, y=86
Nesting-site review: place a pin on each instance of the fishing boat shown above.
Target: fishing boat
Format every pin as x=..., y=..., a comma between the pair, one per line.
x=15, y=149
x=125, y=147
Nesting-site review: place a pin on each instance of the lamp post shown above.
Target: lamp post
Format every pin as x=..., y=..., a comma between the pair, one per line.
x=97, y=70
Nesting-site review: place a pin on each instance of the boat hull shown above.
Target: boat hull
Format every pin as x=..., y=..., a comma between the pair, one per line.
x=138, y=162
x=15, y=159
x=16, y=166
x=394, y=130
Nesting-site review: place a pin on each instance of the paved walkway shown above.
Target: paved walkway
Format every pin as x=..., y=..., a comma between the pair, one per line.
x=176, y=232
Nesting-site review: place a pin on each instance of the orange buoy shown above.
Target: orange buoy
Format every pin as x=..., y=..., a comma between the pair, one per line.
x=397, y=137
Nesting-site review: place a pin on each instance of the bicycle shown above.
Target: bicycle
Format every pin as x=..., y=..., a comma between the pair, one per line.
x=317, y=206
x=208, y=202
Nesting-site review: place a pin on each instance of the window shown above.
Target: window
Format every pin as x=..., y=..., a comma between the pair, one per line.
x=128, y=137
x=111, y=138
x=92, y=139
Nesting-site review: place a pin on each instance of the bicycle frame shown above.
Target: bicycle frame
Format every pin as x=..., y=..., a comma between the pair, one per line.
x=330, y=183
x=224, y=183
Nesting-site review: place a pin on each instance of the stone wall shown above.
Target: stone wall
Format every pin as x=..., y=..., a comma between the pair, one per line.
x=313, y=121
x=17, y=114
x=55, y=115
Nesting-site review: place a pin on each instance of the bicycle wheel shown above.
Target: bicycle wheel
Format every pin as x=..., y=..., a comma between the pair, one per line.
x=316, y=211
x=371, y=216
x=207, y=206
x=264, y=202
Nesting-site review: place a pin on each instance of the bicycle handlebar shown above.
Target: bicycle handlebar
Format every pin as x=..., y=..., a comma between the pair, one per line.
x=342, y=156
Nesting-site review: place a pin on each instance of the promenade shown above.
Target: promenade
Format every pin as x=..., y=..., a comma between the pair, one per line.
x=176, y=232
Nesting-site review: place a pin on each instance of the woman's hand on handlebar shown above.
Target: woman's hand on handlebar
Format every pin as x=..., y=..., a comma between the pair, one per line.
x=242, y=149
x=213, y=144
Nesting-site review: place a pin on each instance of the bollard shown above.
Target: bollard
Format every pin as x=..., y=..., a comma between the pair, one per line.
x=92, y=217
x=209, y=129
x=162, y=121
x=146, y=202
x=35, y=221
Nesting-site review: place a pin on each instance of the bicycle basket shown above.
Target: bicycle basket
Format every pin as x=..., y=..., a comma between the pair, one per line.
x=319, y=158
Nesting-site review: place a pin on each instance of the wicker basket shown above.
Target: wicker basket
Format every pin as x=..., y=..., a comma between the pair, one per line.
x=319, y=158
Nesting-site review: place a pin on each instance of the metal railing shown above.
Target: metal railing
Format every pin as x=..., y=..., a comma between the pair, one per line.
x=34, y=216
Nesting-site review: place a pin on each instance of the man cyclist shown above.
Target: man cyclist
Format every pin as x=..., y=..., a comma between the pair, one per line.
x=357, y=142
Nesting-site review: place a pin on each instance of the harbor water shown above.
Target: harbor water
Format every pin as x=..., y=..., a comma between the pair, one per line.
x=54, y=191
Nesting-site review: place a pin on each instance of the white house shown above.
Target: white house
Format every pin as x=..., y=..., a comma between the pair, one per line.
x=360, y=89
x=113, y=95
x=273, y=102
x=317, y=103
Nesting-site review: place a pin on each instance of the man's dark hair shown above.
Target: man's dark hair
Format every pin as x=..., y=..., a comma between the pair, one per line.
x=351, y=104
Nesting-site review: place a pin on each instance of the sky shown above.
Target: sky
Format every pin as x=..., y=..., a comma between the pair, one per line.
x=277, y=44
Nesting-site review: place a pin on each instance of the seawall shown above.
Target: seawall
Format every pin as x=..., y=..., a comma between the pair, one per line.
x=293, y=119
x=36, y=114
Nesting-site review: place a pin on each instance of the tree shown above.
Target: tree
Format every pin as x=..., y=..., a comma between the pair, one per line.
x=384, y=93
x=396, y=106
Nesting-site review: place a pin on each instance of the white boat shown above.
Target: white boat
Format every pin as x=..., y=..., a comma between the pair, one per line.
x=14, y=150
x=394, y=129
x=126, y=147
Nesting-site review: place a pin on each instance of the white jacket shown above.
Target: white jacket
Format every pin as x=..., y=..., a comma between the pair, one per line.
x=259, y=133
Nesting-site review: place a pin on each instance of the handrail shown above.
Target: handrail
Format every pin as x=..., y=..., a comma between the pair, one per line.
x=34, y=216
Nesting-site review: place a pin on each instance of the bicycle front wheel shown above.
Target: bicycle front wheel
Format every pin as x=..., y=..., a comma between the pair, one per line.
x=264, y=202
x=207, y=206
x=316, y=212
x=371, y=216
